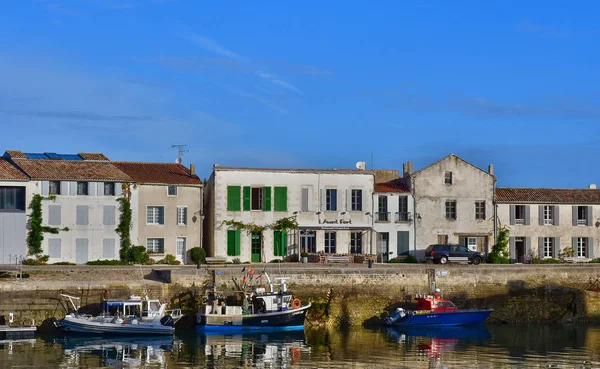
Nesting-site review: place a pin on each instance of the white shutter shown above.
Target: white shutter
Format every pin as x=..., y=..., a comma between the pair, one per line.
x=64, y=188
x=82, y=215
x=108, y=248
x=54, y=215
x=54, y=248
x=310, y=199
x=322, y=201
x=109, y=215
x=118, y=189
x=348, y=200
x=45, y=187
x=92, y=188
x=73, y=188
x=100, y=189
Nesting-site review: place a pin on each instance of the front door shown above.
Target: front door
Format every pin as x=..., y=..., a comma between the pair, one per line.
x=520, y=249
x=181, y=249
x=402, y=243
x=256, y=247
x=384, y=246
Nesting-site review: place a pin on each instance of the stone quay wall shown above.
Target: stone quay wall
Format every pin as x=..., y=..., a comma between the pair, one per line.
x=341, y=295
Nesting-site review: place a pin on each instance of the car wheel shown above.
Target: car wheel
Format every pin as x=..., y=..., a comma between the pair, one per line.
x=443, y=260
x=476, y=260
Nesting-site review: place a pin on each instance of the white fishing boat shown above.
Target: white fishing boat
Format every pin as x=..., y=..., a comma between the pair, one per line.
x=135, y=315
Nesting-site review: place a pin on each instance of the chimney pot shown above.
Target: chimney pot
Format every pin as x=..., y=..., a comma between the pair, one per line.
x=192, y=169
x=491, y=169
x=592, y=186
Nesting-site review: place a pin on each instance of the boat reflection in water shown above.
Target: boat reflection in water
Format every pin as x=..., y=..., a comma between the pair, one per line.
x=432, y=342
x=114, y=350
x=265, y=348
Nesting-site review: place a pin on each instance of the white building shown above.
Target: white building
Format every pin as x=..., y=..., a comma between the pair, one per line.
x=333, y=208
x=393, y=220
x=543, y=222
x=86, y=187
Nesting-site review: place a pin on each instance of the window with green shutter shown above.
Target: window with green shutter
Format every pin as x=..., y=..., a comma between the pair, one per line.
x=280, y=198
x=280, y=243
x=233, y=198
x=267, y=197
x=246, y=198
x=233, y=242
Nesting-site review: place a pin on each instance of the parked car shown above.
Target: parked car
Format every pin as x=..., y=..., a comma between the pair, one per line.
x=442, y=254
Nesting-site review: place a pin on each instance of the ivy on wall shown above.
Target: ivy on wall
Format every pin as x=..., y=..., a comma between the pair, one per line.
x=37, y=230
x=124, y=227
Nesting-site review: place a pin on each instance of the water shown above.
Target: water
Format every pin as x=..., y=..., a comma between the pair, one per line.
x=484, y=347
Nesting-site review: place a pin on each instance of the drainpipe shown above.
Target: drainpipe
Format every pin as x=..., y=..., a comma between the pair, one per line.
x=412, y=193
x=495, y=215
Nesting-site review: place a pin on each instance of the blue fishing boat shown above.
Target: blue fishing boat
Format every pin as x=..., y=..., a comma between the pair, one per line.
x=433, y=310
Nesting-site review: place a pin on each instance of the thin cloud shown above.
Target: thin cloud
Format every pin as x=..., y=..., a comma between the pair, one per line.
x=78, y=115
x=530, y=27
x=256, y=98
x=278, y=81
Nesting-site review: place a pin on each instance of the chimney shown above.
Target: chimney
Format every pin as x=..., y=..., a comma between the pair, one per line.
x=592, y=186
x=491, y=169
x=192, y=169
x=407, y=168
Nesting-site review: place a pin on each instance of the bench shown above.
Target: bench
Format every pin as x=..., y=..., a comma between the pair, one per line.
x=338, y=259
x=216, y=259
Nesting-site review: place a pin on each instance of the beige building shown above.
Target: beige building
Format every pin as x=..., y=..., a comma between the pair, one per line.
x=168, y=199
x=543, y=222
x=453, y=204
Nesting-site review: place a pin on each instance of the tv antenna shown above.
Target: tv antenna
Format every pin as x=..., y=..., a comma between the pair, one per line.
x=181, y=149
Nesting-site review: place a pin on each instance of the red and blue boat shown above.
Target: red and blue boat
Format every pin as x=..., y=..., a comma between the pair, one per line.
x=433, y=310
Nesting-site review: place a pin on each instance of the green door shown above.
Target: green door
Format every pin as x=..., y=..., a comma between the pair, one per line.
x=256, y=247
x=403, y=244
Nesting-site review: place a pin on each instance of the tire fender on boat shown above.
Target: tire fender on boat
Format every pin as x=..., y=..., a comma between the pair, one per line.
x=296, y=303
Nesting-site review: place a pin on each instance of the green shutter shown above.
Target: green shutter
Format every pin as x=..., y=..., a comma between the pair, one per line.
x=233, y=242
x=283, y=248
x=280, y=198
x=267, y=199
x=233, y=198
x=237, y=243
x=246, y=198
x=277, y=243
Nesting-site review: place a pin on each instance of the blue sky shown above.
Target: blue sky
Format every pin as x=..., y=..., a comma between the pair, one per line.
x=308, y=84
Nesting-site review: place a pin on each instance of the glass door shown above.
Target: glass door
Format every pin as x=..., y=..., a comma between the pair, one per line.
x=256, y=247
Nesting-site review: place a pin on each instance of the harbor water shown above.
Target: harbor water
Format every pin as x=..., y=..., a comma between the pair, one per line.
x=492, y=346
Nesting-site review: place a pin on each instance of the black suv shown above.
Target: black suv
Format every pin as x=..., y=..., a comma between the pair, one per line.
x=441, y=254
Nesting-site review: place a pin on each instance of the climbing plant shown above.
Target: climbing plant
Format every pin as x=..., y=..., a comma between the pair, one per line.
x=36, y=232
x=283, y=224
x=124, y=227
x=500, y=253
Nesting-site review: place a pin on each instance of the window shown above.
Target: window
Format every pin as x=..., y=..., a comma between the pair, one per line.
x=581, y=247
x=382, y=209
x=108, y=248
x=330, y=244
x=182, y=215
x=356, y=243
x=356, y=200
x=308, y=241
x=156, y=245
x=172, y=190
x=155, y=215
x=472, y=243
x=548, y=246
x=520, y=214
x=403, y=209
x=54, y=188
x=109, y=215
x=582, y=215
x=480, y=210
x=257, y=198
x=280, y=197
x=54, y=247
x=451, y=209
x=180, y=247
x=82, y=188
x=306, y=200
x=548, y=215
x=233, y=242
x=234, y=202
x=448, y=178
x=330, y=199
x=12, y=198
x=54, y=215
x=442, y=239
x=109, y=188
x=82, y=215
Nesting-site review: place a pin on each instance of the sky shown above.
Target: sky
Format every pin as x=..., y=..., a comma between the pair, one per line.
x=310, y=84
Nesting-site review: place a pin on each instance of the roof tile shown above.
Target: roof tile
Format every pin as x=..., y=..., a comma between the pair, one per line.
x=391, y=186
x=158, y=173
x=16, y=154
x=93, y=156
x=548, y=195
x=9, y=172
x=71, y=170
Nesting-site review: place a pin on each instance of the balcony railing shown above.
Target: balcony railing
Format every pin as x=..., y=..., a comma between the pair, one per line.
x=382, y=217
x=581, y=221
x=519, y=221
x=402, y=217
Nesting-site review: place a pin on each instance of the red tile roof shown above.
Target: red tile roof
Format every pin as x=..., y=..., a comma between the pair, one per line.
x=9, y=172
x=93, y=156
x=158, y=173
x=548, y=195
x=74, y=170
x=16, y=154
x=391, y=186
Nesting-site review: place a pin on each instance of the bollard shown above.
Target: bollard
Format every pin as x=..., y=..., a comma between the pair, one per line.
x=370, y=262
x=198, y=263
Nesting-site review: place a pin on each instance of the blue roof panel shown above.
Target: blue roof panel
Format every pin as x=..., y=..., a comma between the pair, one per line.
x=52, y=155
x=70, y=157
x=32, y=155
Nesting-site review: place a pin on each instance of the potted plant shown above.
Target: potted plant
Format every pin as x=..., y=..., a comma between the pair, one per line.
x=304, y=257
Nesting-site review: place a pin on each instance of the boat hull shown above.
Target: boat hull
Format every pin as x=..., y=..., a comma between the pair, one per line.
x=85, y=326
x=447, y=318
x=289, y=320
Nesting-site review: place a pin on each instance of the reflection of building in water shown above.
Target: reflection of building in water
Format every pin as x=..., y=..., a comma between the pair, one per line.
x=268, y=350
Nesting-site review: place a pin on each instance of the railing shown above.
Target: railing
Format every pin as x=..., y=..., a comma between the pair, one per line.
x=548, y=221
x=382, y=217
x=581, y=221
x=519, y=221
x=403, y=217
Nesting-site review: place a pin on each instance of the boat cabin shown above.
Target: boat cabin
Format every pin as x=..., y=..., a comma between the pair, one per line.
x=134, y=306
x=434, y=303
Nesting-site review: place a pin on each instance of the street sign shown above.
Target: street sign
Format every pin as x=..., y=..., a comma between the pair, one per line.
x=441, y=273
x=220, y=273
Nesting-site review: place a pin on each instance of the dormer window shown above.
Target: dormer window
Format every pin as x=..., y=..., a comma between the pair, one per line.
x=172, y=190
x=448, y=178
